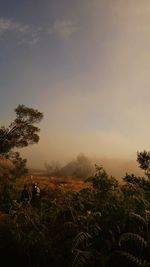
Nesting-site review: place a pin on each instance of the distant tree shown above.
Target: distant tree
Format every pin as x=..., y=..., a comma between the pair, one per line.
x=83, y=167
x=143, y=158
x=22, y=131
x=80, y=168
x=53, y=168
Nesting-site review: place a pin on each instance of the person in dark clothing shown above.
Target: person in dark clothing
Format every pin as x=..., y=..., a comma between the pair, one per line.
x=25, y=197
x=35, y=194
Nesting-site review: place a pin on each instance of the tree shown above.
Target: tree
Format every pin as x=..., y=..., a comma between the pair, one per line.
x=143, y=158
x=101, y=180
x=22, y=131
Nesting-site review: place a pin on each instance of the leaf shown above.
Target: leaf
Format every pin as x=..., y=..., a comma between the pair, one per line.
x=137, y=217
x=80, y=239
x=131, y=258
x=139, y=240
x=82, y=258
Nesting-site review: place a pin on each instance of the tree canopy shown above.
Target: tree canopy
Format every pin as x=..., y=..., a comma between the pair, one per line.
x=22, y=131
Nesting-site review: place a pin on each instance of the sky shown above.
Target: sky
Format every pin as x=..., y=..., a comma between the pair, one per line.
x=86, y=65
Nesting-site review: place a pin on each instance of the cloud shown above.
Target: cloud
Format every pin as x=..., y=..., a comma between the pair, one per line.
x=7, y=25
x=29, y=34
x=24, y=32
x=63, y=29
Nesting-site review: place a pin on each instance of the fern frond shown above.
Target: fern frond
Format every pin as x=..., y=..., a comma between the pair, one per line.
x=96, y=230
x=137, y=217
x=80, y=239
x=143, y=202
x=139, y=240
x=138, y=262
x=81, y=258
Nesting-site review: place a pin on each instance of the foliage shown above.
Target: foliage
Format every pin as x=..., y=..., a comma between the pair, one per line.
x=143, y=158
x=107, y=224
x=102, y=181
x=135, y=246
x=22, y=131
x=6, y=195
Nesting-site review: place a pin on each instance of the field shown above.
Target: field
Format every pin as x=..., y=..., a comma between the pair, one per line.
x=52, y=183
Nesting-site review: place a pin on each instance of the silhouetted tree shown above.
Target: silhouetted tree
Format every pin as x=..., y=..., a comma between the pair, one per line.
x=143, y=158
x=22, y=131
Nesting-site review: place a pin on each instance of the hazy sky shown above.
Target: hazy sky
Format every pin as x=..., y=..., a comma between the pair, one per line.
x=86, y=65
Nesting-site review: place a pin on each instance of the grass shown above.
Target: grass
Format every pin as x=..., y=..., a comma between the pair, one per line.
x=51, y=183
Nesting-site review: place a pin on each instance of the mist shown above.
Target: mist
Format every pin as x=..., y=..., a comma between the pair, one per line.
x=82, y=166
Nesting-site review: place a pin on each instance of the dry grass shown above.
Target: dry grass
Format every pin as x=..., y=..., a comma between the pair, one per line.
x=52, y=183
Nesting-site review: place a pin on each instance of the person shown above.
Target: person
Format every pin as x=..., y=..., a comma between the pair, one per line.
x=35, y=193
x=25, y=197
